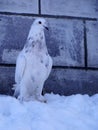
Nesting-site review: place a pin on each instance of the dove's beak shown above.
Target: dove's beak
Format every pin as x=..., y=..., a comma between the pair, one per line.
x=46, y=28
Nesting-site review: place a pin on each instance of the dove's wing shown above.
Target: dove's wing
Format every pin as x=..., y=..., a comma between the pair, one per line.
x=20, y=68
x=49, y=66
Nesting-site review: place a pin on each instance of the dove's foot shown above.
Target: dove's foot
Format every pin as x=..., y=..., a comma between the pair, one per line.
x=41, y=99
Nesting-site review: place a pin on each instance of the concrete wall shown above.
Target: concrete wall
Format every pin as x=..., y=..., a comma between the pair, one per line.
x=72, y=42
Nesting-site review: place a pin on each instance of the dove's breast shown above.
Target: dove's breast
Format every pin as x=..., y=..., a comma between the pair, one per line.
x=38, y=66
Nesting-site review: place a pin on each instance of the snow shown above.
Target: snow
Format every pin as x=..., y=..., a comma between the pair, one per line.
x=78, y=112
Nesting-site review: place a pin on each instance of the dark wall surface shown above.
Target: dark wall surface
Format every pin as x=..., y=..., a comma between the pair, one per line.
x=72, y=42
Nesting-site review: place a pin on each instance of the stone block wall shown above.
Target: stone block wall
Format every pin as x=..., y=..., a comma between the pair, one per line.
x=72, y=42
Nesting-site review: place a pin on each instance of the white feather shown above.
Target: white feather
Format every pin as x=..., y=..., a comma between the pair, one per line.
x=19, y=72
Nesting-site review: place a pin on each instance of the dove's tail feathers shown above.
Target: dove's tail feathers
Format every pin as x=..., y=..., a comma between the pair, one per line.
x=14, y=86
x=16, y=92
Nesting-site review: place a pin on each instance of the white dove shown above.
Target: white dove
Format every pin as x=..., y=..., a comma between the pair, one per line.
x=33, y=64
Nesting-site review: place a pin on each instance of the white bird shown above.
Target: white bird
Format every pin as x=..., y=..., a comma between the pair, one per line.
x=33, y=64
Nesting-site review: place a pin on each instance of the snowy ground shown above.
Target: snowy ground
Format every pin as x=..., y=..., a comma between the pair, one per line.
x=76, y=112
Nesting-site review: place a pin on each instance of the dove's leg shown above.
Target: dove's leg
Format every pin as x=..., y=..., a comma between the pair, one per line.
x=24, y=95
x=38, y=92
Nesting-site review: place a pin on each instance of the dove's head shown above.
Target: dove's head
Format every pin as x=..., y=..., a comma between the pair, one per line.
x=41, y=23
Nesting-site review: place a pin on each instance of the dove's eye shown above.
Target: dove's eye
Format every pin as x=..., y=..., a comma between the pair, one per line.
x=40, y=22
